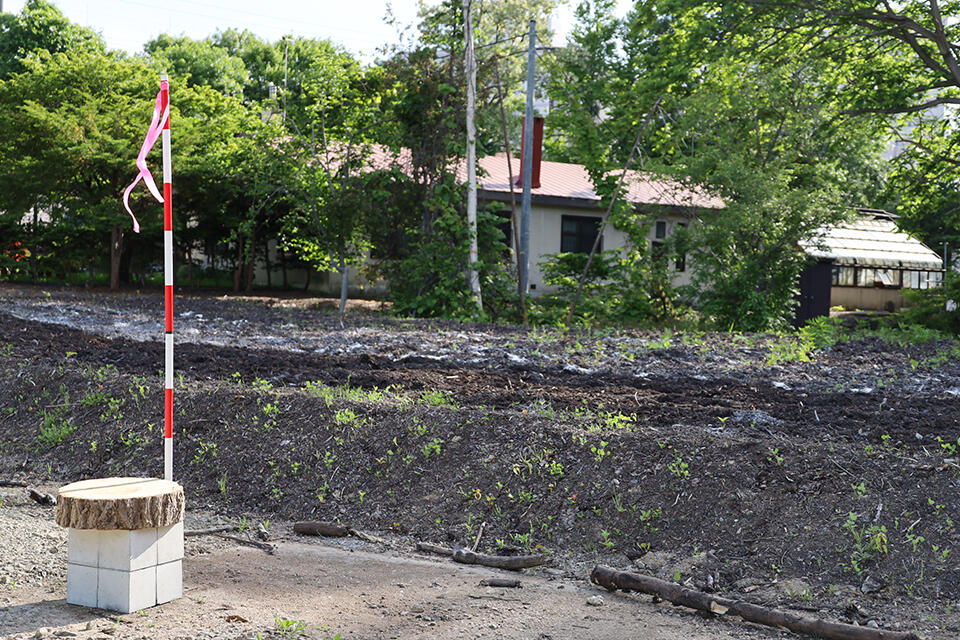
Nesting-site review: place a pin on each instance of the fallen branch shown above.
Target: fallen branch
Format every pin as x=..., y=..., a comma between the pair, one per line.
x=333, y=530
x=211, y=530
x=321, y=528
x=13, y=483
x=476, y=543
x=677, y=594
x=434, y=548
x=366, y=537
x=269, y=548
x=514, y=563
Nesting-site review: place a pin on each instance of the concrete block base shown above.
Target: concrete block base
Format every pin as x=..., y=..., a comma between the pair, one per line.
x=123, y=570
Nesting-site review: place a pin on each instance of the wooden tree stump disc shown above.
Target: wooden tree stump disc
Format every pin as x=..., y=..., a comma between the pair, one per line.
x=120, y=503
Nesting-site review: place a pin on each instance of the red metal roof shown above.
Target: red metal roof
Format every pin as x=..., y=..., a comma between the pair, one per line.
x=563, y=180
x=567, y=180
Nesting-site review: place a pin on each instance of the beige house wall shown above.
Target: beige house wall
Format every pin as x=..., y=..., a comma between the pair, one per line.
x=545, y=231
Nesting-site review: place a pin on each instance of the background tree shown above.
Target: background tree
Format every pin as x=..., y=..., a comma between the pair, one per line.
x=40, y=26
x=198, y=63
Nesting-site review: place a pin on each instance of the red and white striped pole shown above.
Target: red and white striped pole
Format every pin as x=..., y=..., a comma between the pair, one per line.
x=167, y=286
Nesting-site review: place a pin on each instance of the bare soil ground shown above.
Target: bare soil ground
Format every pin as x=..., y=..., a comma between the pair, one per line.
x=331, y=588
x=827, y=486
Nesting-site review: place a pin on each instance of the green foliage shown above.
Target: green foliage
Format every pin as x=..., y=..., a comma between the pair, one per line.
x=822, y=332
x=936, y=309
x=868, y=542
x=197, y=62
x=431, y=281
x=55, y=427
x=622, y=288
x=40, y=27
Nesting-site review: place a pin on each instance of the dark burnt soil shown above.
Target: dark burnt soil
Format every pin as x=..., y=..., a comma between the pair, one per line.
x=802, y=484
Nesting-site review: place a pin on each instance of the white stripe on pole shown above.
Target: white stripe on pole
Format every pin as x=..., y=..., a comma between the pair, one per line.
x=165, y=137
x=167, y=257
x=168, y=458
x=168, y=361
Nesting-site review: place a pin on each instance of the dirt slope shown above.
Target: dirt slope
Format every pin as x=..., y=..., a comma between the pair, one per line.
x=688, y=453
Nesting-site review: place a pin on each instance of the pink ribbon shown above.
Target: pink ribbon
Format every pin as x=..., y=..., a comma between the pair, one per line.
x=156, y=126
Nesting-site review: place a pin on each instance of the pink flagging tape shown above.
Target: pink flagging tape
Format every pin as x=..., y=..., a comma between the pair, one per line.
x=160, y=120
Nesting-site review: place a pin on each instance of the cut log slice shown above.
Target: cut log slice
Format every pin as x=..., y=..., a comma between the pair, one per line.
x=120, y=503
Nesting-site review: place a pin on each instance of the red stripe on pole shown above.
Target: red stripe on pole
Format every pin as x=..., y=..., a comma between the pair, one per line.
x=164, y=100
x=167, y=207
x=168, y=307
x=168, y=413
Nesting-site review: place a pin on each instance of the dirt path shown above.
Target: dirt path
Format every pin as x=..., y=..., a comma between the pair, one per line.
x=325, y=588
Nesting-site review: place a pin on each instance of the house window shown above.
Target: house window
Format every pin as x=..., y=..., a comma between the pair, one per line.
x=577, y=234
x=661, y=230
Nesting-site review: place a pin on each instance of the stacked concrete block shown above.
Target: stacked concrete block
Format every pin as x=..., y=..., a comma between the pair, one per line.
x=122, y=569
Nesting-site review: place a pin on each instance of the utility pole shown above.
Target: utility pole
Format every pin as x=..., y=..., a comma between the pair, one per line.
x=527, y=162
x=471, y=71
x=286, y=49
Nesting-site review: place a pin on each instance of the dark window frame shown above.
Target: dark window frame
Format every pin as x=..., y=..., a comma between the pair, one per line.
x=580, y=238
x=660, y=230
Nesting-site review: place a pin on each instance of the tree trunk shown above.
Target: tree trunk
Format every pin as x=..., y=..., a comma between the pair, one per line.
x=342, y=266
x=126, y=255
x=120, y=503
x=283, y=269
x=306, y=287
x=251, y=261
x=116, y=250
x=33, y=249
x=266, y=260
x=238, y=268
x=186, y=258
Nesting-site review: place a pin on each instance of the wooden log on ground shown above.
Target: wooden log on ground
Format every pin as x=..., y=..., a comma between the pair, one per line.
x=321, y=528
x=515, y=563
x=678, y=594
x=120, y=503
x=507, y=583
x=434, y=548
x=13, y=483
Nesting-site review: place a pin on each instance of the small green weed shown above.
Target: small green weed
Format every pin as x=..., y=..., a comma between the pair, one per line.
x=438, y=398
x=55, y=427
